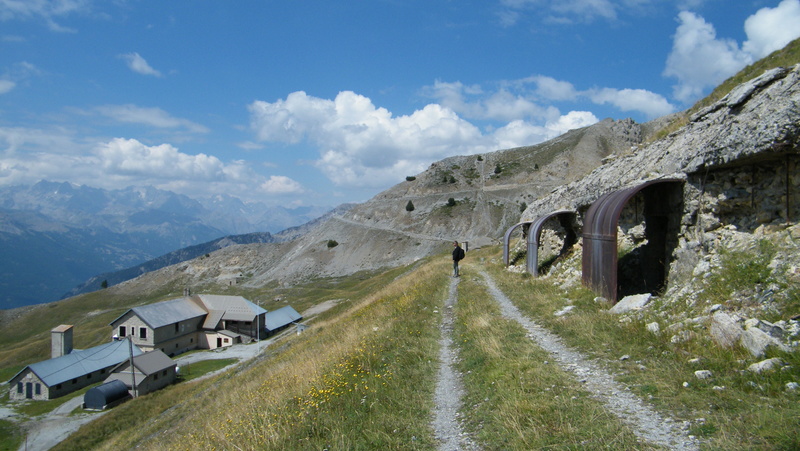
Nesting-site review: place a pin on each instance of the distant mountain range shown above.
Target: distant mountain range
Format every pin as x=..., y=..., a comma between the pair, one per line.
x=55, y=236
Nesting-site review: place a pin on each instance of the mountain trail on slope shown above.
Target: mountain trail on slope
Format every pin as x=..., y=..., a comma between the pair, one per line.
x=645, y=422
x=449, y=390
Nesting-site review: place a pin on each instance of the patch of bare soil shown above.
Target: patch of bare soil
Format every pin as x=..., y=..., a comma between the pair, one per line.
x=645, y=422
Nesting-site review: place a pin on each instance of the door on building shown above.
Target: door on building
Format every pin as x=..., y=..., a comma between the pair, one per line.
x=219, y=342
x=29, y=390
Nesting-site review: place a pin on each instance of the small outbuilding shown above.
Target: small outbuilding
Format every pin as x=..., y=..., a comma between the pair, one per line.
x=106, y=395
x=278, y=320
x=151, y=371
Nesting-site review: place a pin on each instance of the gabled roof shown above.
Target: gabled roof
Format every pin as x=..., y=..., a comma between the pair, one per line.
x=152, y=362
x=236, y=308
x=165, y=313
x=281, y=317
x=81, y=362
x=213, y=319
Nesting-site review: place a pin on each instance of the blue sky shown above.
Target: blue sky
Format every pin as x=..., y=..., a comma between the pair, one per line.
x=323, y=102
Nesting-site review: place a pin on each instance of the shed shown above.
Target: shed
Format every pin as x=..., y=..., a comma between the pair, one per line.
x=279, y=319
x=106, y=395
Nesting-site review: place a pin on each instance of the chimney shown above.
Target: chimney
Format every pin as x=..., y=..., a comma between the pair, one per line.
x=61, y=341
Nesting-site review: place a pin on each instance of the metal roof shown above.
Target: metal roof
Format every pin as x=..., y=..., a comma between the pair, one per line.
x=165, y=313
x=153, y=362
x=281, y=317
x=103, y=395
x=535, y=232
x=236, y=308
x=81, y=362
x=213, y=319
x=600, y=238
x=507, y=239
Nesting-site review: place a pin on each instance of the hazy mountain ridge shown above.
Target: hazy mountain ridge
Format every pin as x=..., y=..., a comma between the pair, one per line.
x=61, y=234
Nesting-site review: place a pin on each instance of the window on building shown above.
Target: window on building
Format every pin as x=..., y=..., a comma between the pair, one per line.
x=58, y=387
x=164, y=373
x=142, y=333
x=155, y=377
x=102, y=371
x=74, y=381
x=177, y=328
x=121, y=331
x=89, y=376
x=38, y=389
x=19, y=387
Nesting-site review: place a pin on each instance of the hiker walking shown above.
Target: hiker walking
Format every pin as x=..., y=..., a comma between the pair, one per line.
x=458, y=255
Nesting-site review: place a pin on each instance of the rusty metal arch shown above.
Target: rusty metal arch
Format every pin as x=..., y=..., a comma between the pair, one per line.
x=535, y=232
x=599, y=263
x=507, y=239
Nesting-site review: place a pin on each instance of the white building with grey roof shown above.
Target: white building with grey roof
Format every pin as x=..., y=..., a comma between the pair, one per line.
x=75, y=369
x=194, y=322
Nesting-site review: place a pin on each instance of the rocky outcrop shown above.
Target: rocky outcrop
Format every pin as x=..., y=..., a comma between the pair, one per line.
x=738, y=162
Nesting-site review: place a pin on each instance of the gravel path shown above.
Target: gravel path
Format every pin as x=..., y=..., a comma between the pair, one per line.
x=449, y=391
x=646, y=423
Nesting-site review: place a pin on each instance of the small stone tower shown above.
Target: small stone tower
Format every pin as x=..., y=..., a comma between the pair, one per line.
x=60, y=341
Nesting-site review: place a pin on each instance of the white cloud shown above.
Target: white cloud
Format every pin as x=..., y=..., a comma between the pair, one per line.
x=155, y=117
x=551, y=89
x=649, y=103
x=472, y=102
x=770, y=29
x=30, y=155
x=6, y=86
x=279, y=184
x=48, y=10
x=566, y=11
x=138, y=64
x=132, y=158
x=364, y=146
x=698, y=59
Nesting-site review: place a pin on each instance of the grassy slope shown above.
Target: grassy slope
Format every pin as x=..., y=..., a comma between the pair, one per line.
x=363, y=378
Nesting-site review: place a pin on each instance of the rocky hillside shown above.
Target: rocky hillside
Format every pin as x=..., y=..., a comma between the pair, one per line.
x=735, y=224
x=466, y=198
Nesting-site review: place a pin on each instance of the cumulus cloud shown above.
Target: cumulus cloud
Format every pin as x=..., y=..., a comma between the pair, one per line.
x=699, y=59
x=30, y=155
x=139, y=65
x=530, y=98
x=651, y=104
x=279, y=184
x=551, y=89
x=131, y=157
x=361, y=145
x=770, y=29
x=154, y=117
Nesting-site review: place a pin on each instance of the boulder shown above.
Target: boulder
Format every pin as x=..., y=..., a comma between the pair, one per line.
x=757, y=341
x=702, y=374
x=632, y=302
x=724, y=330
x=765, y=365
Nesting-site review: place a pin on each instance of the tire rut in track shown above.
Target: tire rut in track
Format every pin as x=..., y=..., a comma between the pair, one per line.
x=449, y=390
x=645, y=422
